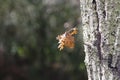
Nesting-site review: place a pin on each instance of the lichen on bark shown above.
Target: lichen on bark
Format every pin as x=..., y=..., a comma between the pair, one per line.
x=100, y=22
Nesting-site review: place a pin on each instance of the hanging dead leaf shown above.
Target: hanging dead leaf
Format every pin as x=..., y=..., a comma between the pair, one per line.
x=67, y=39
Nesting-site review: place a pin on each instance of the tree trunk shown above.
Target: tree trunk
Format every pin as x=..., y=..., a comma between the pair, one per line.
x=101, y=36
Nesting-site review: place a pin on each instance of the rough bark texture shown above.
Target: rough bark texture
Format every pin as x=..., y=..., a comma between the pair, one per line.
x=101, y=34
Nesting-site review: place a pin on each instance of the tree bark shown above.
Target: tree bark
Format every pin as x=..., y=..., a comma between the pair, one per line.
x=101, y=36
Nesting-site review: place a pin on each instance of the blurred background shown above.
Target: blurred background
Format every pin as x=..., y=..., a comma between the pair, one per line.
x=28, y=45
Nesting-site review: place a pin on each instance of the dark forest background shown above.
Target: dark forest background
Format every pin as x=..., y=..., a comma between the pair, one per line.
x=28, y=45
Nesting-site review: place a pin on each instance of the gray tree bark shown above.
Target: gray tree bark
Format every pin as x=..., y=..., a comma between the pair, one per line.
x=101, y=36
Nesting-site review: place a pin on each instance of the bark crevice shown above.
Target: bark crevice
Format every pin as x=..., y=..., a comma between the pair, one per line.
x=97, y=33
x=97, y=42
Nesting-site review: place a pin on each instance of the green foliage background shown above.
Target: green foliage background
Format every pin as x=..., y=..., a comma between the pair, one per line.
x=28, y=45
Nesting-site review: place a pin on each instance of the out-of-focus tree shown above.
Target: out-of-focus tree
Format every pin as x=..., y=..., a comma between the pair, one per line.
x=28, y=51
